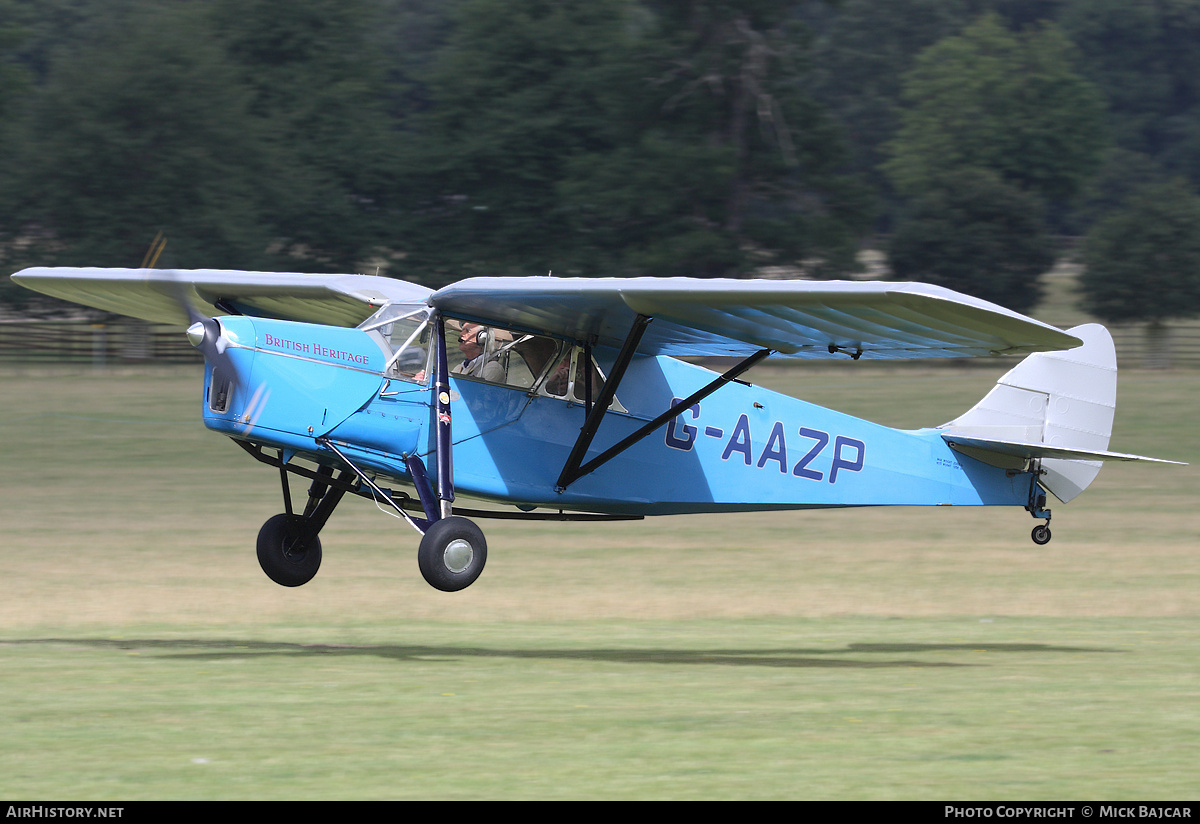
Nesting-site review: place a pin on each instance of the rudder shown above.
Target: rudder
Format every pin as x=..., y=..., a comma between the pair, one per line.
x=1063, y=399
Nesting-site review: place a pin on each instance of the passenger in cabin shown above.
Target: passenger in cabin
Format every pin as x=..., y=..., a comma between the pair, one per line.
x=536, y=352
x=559, y=379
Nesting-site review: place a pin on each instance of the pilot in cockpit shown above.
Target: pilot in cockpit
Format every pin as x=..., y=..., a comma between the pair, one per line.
x=473, y=343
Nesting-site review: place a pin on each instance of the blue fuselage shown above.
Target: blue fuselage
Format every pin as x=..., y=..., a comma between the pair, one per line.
x=742, y=448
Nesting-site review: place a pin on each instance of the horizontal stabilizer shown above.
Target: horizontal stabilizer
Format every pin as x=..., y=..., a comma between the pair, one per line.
x=1013, y=454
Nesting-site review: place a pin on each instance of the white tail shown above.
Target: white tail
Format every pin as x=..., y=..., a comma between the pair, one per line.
x=1061, y=401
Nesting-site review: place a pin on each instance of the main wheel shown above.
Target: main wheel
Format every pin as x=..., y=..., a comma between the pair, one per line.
x=452, y=554
x=283, y=556
x=1040, y=534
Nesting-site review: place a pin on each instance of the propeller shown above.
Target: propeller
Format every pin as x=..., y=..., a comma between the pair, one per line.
x=208, y=336
x=203, y=332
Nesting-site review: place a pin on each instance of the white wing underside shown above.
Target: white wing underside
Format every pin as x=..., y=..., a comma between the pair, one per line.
x=690, y=317
x=154, y=294
x=721, y=317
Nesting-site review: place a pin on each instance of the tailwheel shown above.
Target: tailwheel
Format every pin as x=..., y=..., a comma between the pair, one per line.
x=452, y=554
x=1041, y=534
x=288, y=555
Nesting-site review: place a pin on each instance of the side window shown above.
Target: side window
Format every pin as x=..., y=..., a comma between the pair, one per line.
x=579, y=385
x=529, y=358
x=568, y=380
x=532, y=363
x=558, y=382
x=499, y=356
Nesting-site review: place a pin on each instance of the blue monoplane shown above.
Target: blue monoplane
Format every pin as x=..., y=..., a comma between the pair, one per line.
x=564, y=398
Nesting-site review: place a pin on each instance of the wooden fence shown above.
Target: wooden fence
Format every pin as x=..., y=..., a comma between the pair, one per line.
x=99, y=344
x=132, y=342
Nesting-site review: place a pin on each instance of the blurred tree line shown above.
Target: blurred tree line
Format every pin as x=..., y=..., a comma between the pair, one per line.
x=437, y=139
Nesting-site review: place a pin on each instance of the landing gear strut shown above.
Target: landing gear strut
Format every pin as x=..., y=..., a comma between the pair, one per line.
x=453, y=551
x=1037, y=507
x=289, y=549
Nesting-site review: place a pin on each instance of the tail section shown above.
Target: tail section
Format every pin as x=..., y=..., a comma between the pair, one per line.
x=1053, y=407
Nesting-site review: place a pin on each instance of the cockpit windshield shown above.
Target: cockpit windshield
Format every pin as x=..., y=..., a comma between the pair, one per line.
x=406, y=331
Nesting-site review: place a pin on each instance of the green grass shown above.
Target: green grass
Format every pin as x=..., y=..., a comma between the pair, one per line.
x=892, y=653
x=627, y=708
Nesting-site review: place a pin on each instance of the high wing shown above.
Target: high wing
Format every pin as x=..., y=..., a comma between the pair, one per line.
x=690, y=316
x=154, y=294
x=721, y=317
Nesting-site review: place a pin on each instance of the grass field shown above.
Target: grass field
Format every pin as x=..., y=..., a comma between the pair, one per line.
x=866, y=654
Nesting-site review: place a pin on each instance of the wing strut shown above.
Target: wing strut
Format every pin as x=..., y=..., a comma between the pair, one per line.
x=571, y=470
x=578, y=470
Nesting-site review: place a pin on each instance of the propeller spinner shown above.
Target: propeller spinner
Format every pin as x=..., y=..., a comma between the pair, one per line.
x=207, y=335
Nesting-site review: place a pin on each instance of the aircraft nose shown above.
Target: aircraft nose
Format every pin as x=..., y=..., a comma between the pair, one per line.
x=195, y=334
x=208, y=335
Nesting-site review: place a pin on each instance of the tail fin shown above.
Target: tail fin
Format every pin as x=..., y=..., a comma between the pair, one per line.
x=1050, y=404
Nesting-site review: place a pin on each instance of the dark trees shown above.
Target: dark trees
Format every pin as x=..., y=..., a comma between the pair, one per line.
x=612, y=138
x=977, y=234
x=997, y=127
x=1143, y=261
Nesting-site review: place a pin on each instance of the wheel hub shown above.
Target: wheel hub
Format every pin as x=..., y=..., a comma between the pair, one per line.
x=458, y=555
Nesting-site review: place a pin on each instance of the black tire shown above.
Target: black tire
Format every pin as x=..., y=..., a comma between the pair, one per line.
x=286, y=561
x=1040, y=535
x=452, y=554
